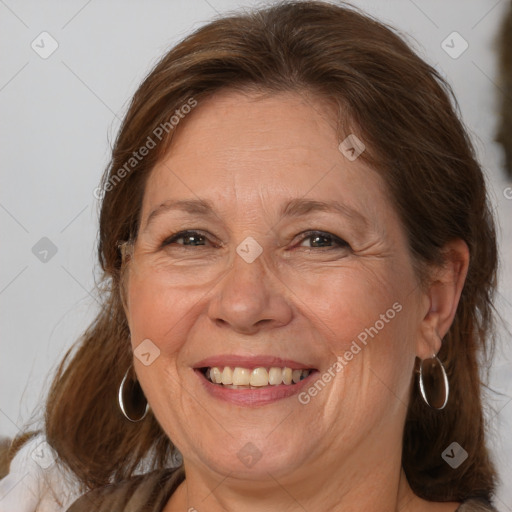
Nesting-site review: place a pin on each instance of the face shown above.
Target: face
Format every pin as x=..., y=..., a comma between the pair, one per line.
x=262, y=247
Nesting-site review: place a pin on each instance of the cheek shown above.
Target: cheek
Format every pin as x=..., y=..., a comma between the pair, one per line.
x=366, y=320
x=154, y=307
x=158, y=321
x=352, y=304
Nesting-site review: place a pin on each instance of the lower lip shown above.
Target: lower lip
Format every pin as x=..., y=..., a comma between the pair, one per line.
x=254, y=397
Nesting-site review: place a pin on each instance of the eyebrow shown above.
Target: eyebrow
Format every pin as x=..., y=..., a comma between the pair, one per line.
x=293, y=208
x=300, y=207
x=191, y=206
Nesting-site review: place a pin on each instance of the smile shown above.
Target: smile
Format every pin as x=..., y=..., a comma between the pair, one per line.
x=250, y=380
x=260, y=377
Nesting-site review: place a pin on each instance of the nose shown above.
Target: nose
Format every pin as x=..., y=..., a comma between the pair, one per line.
x=250, y=298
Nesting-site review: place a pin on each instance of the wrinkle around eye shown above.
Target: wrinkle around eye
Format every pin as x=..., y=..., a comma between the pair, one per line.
x=337, y=242
x=183, y=235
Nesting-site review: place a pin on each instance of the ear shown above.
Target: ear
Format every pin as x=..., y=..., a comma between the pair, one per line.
x=442, y=298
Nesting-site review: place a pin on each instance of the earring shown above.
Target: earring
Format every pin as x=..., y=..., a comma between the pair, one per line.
x=434, y=382
x=132, y=402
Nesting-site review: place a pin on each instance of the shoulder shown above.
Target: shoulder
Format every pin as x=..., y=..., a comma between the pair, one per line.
x=36, y=479
x=476, y=505
x=151, y=491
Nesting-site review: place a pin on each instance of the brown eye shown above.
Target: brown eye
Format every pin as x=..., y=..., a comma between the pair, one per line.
x=320, y=239
x=186, y=238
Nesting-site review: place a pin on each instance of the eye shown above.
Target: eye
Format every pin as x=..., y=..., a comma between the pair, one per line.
x=187, y=239
x=321, y=239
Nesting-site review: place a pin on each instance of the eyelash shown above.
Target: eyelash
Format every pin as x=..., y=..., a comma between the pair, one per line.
x=181, y=234
x=342, y=244
x=305, y=235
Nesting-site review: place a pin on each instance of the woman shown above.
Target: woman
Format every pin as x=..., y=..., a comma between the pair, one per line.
x=300, y=263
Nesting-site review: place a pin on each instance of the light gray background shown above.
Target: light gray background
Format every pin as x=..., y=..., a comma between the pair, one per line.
x=59, y=114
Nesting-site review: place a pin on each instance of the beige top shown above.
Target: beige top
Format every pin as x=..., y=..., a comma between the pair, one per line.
x=151, y=492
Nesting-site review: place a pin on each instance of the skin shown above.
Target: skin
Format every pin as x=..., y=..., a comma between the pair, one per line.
x=250, y=154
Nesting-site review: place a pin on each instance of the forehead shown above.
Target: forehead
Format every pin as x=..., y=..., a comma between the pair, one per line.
x=251, y=148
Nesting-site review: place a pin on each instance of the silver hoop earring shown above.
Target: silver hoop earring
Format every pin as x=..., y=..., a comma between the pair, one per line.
x=433, y=381
x=132, y=402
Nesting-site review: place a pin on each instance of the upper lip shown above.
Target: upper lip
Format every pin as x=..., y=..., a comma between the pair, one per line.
x=250, y=362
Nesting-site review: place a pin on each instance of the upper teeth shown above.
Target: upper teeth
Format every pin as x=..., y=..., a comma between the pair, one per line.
x=257, y=377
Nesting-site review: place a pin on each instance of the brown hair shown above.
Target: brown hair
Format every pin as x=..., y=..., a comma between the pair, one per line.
x=404, y=112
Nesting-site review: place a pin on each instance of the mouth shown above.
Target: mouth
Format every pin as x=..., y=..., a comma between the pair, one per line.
x=256, y=378
x=253, y=381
